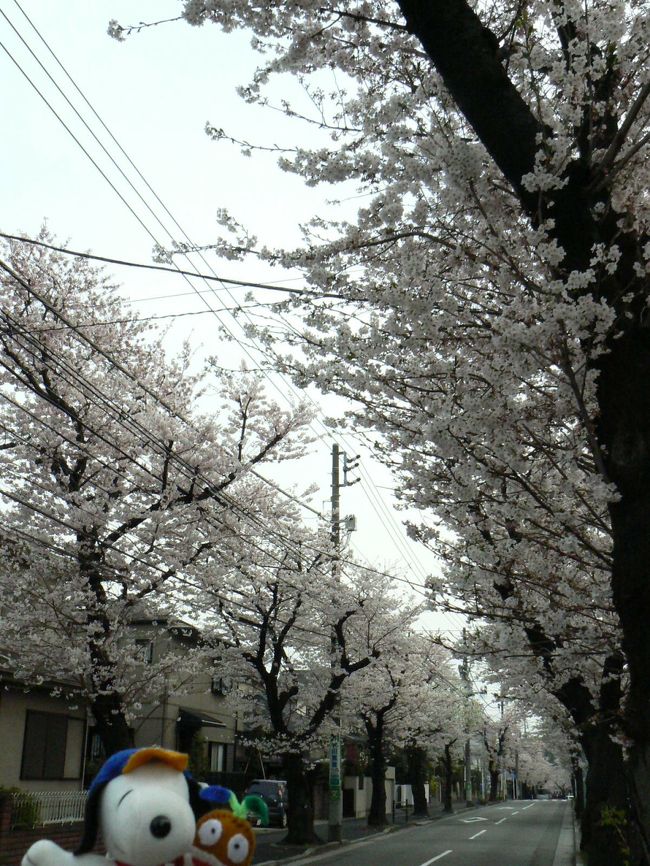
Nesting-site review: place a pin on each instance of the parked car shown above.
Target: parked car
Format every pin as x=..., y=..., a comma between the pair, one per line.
x=274, y=794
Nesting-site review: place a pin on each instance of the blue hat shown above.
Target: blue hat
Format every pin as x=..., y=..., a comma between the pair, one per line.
x=130, y=759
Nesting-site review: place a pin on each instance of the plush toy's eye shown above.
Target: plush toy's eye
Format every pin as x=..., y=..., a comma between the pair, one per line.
x=210, y=832
x=238, y=848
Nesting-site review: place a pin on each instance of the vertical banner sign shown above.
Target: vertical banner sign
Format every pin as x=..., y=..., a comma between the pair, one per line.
x=335, y=762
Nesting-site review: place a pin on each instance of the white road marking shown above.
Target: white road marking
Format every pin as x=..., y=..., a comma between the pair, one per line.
x=502, y=820
x=516, y=813
x=528, y=807
x=437, y=857
x=472, y=820
x=480, y=833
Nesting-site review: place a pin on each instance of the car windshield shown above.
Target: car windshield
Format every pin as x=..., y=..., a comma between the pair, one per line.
x=265, y=789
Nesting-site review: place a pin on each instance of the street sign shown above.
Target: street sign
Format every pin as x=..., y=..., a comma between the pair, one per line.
x=335, y=761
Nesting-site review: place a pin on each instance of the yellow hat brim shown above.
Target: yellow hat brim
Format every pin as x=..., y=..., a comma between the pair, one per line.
x=177, y=760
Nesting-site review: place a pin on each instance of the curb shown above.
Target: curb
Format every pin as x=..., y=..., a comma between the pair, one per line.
x=565, y=852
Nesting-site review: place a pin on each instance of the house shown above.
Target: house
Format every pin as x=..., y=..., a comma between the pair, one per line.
x=193, y=716
x=43, y=729
x=48, y=735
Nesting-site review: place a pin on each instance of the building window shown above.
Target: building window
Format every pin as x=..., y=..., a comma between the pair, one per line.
x=144, y=649
x=218, y=685
x=52, y=746
x=217, y=757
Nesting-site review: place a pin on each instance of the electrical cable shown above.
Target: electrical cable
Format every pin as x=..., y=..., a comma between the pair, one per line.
x=266, y=286
x=246, y=515
x=246, y=284
x=122, y=369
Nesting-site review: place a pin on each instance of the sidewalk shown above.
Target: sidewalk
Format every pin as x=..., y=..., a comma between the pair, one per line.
x=565, y=853
x=270, y=850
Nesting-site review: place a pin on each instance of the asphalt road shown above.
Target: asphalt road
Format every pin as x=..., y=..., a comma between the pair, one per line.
x=519, y=833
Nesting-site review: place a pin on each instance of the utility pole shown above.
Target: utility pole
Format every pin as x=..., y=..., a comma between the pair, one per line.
x=335, y=800
x=464, y=675
x=335, y=820
x=516, y=792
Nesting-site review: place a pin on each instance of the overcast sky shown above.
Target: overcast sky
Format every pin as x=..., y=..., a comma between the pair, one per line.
x=155, y=93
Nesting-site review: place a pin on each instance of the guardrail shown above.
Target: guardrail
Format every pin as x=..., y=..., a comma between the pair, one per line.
x=38, y=808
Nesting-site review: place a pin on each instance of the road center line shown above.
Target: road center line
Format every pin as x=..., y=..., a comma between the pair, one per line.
x=437, y=857
x=516, y=813
x=480, y=833
x=502, y=820
x=527, y=807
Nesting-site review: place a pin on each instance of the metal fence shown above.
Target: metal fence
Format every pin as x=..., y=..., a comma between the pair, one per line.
x=37, y=808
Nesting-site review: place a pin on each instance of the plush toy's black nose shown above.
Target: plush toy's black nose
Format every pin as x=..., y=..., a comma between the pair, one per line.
x=160, y=826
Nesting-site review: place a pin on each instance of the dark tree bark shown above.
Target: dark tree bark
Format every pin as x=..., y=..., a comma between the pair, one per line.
x=106, y=702
x=448, y=781
x=578, y=789
x=604, y=836
x=465, y=53
x=110, y=724
x=300, y=813
x=375, y=733
x=416, y=760
x=493, y=770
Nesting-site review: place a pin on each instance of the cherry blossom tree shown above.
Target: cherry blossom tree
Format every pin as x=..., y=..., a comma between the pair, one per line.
x=487, y=307
x=584, y=698
x=441, y=718
x=404, y=700
x=295, y=626
x=116, y=491
x=543, y=760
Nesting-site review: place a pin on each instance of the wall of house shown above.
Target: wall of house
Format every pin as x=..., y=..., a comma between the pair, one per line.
x=14, y=705
x=360, y=788
x=158, y=724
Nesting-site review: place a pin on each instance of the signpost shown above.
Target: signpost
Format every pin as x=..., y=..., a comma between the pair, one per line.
x=335, y=801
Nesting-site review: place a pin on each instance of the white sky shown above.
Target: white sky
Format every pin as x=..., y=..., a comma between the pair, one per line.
x=155, y=93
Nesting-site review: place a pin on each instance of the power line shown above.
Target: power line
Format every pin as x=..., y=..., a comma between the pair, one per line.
x=187, y=468
x=118, y=365
x=374, y=499
x=103, y=174
x=247, y=284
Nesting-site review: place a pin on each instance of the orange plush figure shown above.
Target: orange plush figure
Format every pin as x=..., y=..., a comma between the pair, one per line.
x=223, y=839
x=226, y=838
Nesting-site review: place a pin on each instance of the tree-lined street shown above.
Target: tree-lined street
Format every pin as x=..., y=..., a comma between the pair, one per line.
x=520, y=833
x=470, y=295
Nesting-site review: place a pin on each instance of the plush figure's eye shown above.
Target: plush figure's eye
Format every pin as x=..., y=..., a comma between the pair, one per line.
x=210, y=832
x=238, y=848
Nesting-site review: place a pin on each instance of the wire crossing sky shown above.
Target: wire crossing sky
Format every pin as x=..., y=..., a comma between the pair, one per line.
x=120, y=162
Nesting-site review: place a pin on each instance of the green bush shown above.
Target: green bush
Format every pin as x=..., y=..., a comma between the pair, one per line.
x=25, y=812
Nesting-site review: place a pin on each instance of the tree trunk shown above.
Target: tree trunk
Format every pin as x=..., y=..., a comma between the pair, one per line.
x=300, y=812
x=377, y=814
x=494, y=781
x=608, y=836
x=578, y=789
x=416, y=762
x=110, y=723
x=624, y=430
x=639, y=786
x=107, y=704
x=448, y=766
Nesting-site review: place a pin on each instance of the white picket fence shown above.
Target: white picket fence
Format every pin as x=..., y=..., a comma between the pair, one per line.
x=37, y=808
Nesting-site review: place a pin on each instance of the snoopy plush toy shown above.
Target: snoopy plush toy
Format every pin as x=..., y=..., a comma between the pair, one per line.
x=144, y=802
